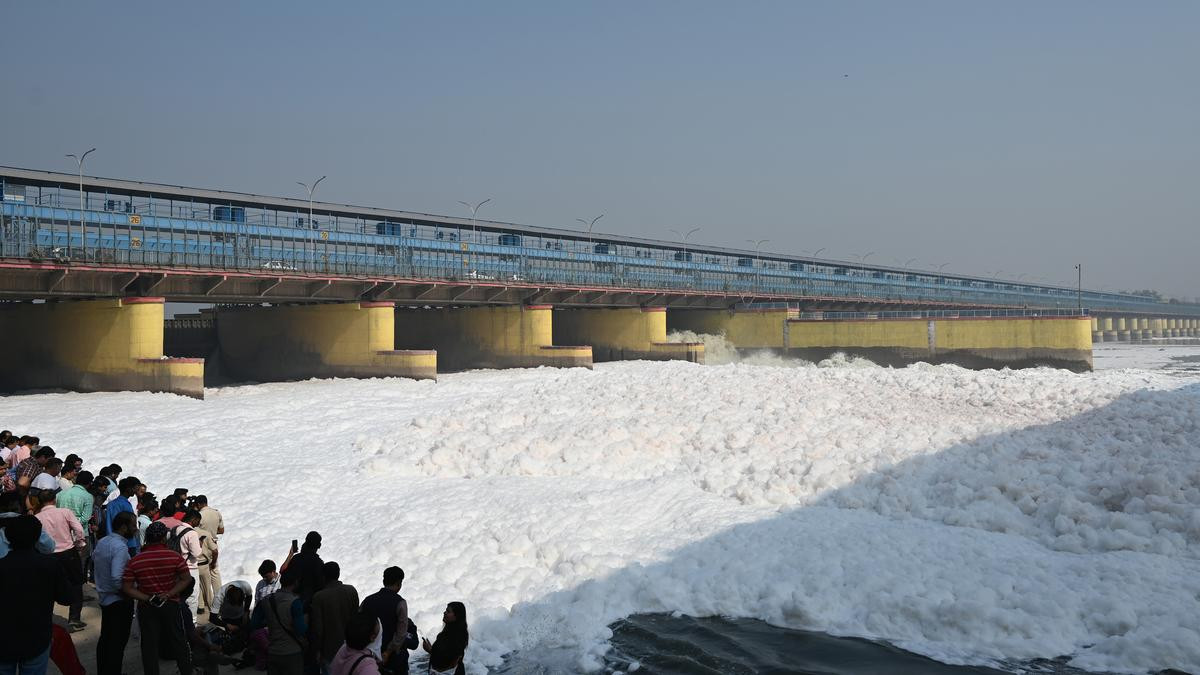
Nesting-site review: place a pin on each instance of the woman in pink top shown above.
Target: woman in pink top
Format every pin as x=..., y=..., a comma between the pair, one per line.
x=353, y=658
x=64, y=528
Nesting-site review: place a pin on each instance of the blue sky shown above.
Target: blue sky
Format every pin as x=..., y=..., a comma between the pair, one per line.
x=1013, y=137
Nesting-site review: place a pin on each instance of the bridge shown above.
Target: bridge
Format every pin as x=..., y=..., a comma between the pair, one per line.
x=273, y=261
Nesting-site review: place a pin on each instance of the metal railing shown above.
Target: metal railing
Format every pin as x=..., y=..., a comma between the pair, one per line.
x=948, y=314
x=147, y=235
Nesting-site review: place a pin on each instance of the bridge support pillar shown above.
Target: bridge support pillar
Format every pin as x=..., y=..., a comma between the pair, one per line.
x=624, y=334
x=509, y=336
x=1097, y=336
x=994, y=342
x=744, y=328
x=1107, y=327
x=93, y=345
x=296, y=342
x=1122, y=326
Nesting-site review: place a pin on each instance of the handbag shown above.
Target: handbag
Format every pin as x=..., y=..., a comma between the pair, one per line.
x=300, y=642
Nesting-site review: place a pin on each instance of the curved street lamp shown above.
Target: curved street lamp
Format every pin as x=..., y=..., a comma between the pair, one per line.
x=82, y=205
x=310, y=190
x=683, y=236
x=474, y=209
x=590, y=224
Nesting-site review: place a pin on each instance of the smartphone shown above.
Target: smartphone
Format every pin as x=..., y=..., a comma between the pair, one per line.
x=295, y=547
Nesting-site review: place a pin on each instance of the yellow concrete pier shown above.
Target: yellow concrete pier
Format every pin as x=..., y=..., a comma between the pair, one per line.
x=743, y=328
x=294, y=342
x=991, y=342
x=625, y=333
x=508, y=336
x=92, y=345
x=1108, y=329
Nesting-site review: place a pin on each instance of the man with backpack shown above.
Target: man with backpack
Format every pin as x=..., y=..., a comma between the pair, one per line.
x=185, y=540
x=282, y=613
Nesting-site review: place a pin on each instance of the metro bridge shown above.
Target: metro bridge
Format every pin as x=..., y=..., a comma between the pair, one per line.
x=201, y=245
x=291, y=265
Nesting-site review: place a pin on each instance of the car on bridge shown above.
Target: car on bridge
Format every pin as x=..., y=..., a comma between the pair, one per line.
x=278, y=266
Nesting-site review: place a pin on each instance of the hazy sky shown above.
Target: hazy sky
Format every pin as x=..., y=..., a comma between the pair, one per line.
x=1020, y=137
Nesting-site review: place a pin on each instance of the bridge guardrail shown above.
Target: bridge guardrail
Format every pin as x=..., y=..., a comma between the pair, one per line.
x=53, y=233
x=948, y=314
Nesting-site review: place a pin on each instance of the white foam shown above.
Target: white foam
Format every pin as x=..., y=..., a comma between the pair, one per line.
x=971, y=516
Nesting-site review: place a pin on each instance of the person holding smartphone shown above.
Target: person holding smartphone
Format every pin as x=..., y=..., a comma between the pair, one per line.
x=156, y=578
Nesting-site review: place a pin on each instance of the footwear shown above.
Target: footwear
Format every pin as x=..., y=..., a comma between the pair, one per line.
x=200, y=611
x=75, y=626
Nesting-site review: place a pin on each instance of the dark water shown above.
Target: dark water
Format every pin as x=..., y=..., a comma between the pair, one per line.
x=661, y=644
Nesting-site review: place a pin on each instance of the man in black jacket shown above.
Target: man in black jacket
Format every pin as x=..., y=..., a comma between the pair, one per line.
x=30, y=584
x=391, y=610
x=310, y=567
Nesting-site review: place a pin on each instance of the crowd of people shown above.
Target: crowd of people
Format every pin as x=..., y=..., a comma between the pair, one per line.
x=64, y=529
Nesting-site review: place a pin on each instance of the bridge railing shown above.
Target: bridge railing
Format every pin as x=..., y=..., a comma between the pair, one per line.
x=948, y=314
x=42, y=232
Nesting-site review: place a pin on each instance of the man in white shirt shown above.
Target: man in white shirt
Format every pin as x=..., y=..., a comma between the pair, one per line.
x=191, y=549
x=48, y=478
x=7, y=450
x=66, y=477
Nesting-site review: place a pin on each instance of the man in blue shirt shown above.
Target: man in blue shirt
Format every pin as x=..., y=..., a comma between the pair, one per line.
x=10, y=507
x=116, y=610
x=121, y=504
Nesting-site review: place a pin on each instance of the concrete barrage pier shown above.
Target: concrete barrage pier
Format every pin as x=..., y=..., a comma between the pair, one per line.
x=1014, y=339
x=93, y=345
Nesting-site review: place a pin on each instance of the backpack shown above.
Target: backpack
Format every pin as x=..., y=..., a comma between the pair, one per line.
x=101, y=520
x=175, y=539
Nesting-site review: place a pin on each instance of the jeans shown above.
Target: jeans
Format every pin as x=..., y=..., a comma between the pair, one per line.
x=163, y=624
x=35, y=665
x=116, y=620
x=287, y=664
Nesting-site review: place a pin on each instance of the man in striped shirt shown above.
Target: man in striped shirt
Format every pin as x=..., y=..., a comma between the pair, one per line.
x=156, y=578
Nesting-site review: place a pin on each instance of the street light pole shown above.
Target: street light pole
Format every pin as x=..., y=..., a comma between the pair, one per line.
x=82, y=227
x=474, y=209
x=311, y=190
x=590, y=223
x=684, y=237
x=1079, y=286
x=757, y=243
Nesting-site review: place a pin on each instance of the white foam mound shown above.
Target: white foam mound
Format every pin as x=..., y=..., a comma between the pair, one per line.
x=977, y=517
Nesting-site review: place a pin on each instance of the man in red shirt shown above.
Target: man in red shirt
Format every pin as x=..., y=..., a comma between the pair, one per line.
x=155, y=578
